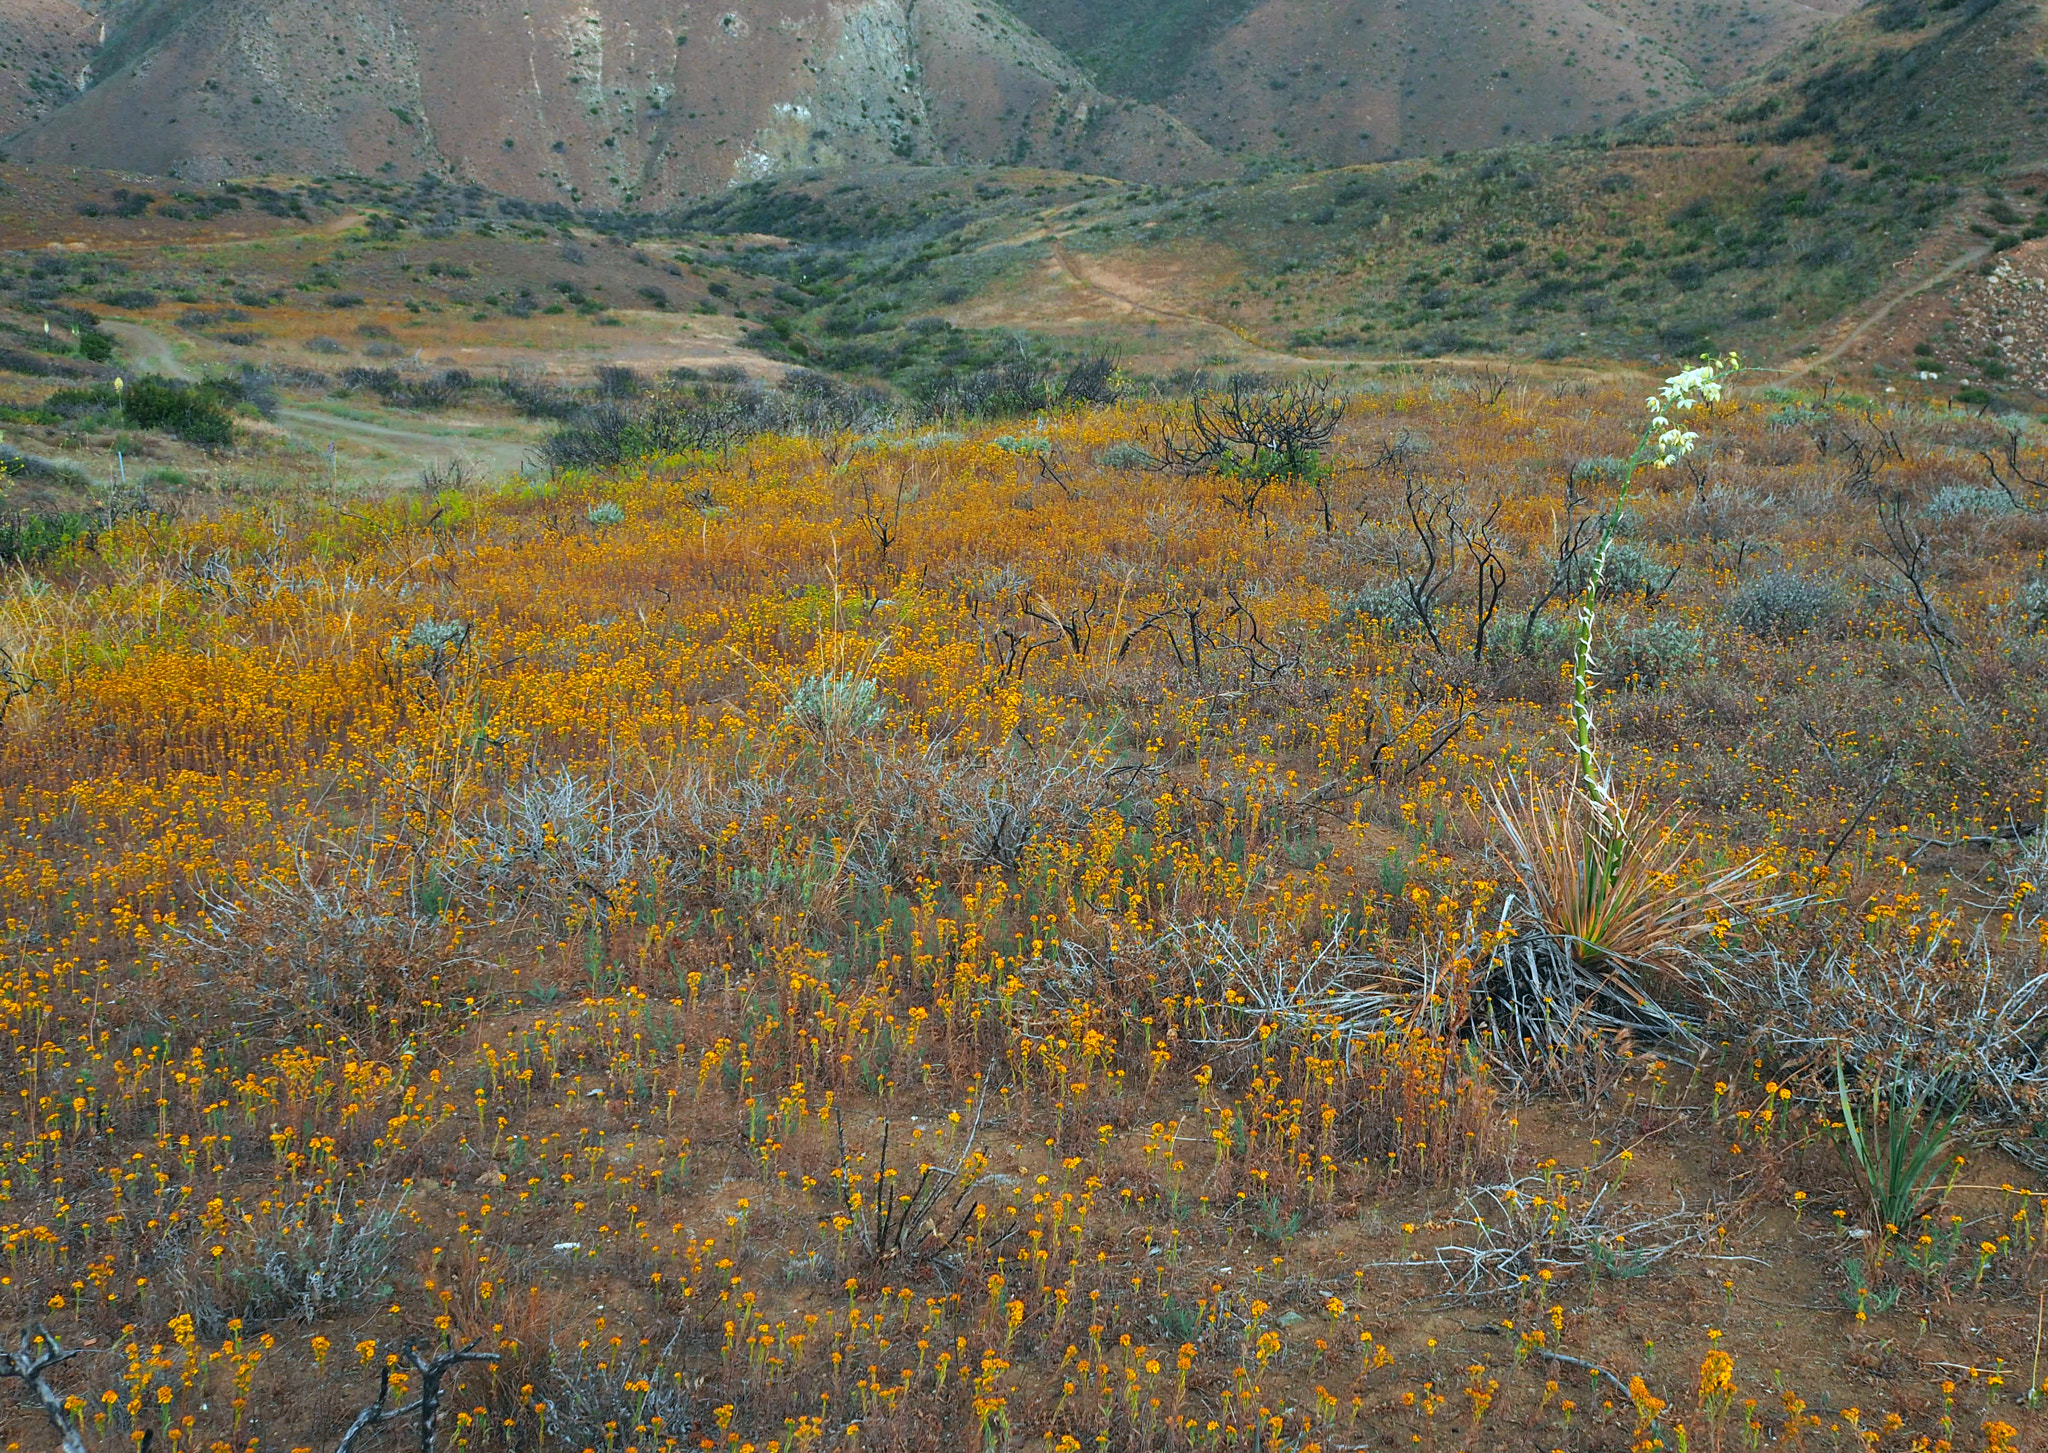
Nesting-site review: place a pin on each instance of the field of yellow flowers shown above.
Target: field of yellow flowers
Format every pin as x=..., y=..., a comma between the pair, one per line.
x=955, y=940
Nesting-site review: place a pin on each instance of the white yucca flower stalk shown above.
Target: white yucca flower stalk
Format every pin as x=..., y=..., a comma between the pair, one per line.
x=1662, y=444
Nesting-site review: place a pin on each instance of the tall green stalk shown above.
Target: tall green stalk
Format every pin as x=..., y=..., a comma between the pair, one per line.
x=1663, y=445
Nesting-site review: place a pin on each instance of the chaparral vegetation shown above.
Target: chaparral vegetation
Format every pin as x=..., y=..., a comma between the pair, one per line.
x=1311, y=916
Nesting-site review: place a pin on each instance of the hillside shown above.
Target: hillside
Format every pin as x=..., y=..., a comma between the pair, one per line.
x=1840, y=212
x=642, y=103
x=627, y=103
x=46, y=47
x=1850, y=186
x=1365, y=80
x=1922, y=83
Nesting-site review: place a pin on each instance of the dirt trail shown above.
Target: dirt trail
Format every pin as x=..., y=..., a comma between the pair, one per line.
x=399, y=449
x=1069, y=265
x=1078, y=273
x=1074, y=269
x=1883, y=311
x=448, y=441
x=148, y=350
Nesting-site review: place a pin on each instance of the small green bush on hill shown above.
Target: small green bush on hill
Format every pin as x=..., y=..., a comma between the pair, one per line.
x=191, y=412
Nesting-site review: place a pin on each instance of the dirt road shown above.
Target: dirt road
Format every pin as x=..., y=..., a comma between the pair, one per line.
x=393, y=448
x=404, y=449
x=147, y=350
x=1262, y=353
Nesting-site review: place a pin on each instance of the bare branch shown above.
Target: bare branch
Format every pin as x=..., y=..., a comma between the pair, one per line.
x=2008, y=476
x=427, y=1404
x=38, y=1354
x=1907, y=550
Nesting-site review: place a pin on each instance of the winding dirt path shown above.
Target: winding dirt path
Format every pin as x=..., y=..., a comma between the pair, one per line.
x=416, y=447
x=148, y=349
x=1075, y=271
x=1883, y=311
x=1080, y=276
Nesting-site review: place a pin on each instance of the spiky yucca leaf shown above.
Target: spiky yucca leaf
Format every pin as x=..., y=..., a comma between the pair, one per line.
x=1614, y=879
x=1897, y=1151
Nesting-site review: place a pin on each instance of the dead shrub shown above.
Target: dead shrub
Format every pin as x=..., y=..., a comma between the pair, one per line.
x=341, y=943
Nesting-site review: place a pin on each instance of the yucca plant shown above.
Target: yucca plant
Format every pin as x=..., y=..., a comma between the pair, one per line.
x=1897, y=1149
x=1611, y=881
x=1606, y=875
x=1612, y=877
x=1662, y=445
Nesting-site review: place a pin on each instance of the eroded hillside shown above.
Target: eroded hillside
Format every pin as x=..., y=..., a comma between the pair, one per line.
x=619, y=104
x=639, y=103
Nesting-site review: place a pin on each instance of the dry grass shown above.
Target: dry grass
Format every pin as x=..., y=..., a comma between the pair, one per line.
x=516, y=890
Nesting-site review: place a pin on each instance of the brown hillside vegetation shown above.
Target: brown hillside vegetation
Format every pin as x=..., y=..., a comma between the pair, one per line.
x=46, y=47
x=634, y=102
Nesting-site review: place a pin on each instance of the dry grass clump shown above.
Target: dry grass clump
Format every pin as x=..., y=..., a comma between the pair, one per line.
x=887, y=945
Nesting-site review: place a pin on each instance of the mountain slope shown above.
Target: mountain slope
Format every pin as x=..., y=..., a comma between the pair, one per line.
x=1961, y=83
x=611, y=104
x=46, y=47
x=1889, y=170
x=640, y=103
x=1359, y=80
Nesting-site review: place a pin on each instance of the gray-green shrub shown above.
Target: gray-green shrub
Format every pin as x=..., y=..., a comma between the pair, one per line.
x=1780, y=606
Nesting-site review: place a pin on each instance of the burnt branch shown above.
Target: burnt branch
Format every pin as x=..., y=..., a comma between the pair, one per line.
x=1255, y=434
x=1907, y=550
x=39, y=1353
x=1486, y=385
x=427, y=1404
x=2026, y=492
x=1432, y=517
x=1489, y=574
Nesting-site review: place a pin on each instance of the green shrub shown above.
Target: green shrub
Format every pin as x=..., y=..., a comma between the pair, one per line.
x=1796, y=416
x=1630, y=571
x=835, y=705
x=1643, y=655
x=1388, y=607
x=74, y=403
x=1650, y=653
x=1967, y=501
x=189, y=411
x=2030, y=606
x=26, y=539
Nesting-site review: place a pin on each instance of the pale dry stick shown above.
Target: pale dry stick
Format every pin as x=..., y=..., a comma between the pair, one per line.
x=2040, y=1312
x=29, y=1365
x=1566, y=1360
x=1963, y=1367
x=1562, y=1359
